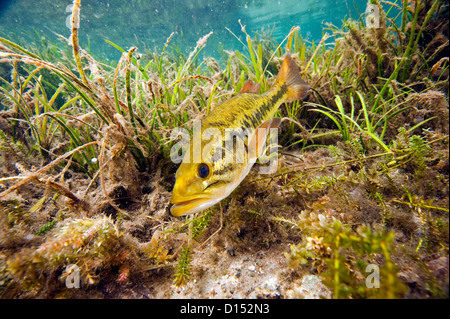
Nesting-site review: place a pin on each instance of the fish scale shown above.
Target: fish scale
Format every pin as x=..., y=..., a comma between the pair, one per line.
x=254, y=110
x=246, y=110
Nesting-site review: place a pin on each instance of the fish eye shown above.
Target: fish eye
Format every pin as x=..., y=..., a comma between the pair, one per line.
x=203, y=170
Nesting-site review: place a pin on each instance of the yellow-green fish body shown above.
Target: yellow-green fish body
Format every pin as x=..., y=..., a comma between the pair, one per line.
x=216, y=165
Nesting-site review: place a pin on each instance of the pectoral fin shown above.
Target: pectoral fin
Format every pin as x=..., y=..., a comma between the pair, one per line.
x=258, y=139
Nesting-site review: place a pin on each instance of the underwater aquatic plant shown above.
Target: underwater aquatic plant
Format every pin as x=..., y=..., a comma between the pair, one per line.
x=89, y=243
x=183, y=268
x=326, y=240
x=365, y=162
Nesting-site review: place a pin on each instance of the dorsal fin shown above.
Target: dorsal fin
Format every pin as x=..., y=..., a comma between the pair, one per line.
x=250, y=87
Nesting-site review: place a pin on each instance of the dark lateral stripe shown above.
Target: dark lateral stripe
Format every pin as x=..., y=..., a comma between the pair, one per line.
x=265, y=108
x=249, y=112
x=257, y=117
x=224, y=170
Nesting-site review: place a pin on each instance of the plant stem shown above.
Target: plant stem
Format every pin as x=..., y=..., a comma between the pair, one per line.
x=74, y=38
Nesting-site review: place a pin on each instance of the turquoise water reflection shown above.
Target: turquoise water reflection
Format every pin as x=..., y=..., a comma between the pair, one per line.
x=151, y=22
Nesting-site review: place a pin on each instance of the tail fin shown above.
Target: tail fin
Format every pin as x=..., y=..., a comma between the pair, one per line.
x=289, y=75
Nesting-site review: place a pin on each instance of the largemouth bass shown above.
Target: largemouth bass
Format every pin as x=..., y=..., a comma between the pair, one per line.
x=209, y=172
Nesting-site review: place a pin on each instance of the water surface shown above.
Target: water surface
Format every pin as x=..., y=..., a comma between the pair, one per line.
x=148, y=23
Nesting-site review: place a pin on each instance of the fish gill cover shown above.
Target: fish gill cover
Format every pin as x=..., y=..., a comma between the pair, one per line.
x=94, y=95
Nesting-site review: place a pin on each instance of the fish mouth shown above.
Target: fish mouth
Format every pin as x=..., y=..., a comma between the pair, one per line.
x=192, y=206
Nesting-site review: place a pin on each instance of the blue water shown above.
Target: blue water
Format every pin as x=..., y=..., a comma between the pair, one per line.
x=148, y=23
